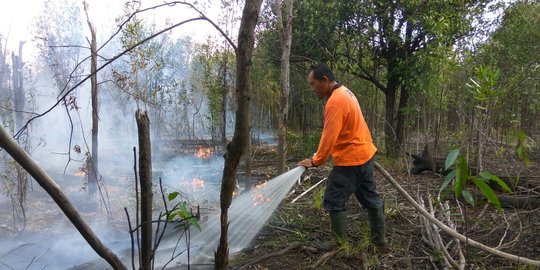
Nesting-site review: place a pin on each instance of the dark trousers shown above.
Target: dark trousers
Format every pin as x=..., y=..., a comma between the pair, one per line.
x=343, y=181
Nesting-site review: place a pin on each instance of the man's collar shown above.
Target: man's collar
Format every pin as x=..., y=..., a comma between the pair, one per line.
x=336, y=86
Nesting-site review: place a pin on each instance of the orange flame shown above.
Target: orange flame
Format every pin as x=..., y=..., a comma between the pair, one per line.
x=257, y=197
x=204, y=153
x=79, y=173
x=197, y=182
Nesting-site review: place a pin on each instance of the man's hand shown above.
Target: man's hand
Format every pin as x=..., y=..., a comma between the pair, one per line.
x=306, y=163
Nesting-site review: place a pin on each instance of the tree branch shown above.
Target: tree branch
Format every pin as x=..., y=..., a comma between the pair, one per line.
x=101, y=67
x=449, y=230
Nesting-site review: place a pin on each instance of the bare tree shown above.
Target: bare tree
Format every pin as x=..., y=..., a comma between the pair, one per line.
x=145, y=177
x=94, y=171
x=244, y=52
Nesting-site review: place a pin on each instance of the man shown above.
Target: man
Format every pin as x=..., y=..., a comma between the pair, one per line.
x=347, y=139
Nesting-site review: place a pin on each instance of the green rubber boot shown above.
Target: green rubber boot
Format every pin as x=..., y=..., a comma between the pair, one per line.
x=376, y=222
x=338, y=223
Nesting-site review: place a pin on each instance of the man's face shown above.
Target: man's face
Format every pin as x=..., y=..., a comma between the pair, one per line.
x=319, y=87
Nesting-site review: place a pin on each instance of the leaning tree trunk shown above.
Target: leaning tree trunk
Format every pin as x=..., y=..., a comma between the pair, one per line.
x=53, y=189
x=145, y=178
x=285, y=37
x=244, y=52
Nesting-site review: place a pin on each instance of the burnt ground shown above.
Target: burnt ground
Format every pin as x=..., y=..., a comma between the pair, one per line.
x=292, y=238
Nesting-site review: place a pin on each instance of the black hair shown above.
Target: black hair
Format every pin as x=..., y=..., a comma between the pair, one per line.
x=320, y=70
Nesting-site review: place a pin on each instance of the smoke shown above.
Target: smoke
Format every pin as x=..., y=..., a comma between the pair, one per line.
x=49, y=240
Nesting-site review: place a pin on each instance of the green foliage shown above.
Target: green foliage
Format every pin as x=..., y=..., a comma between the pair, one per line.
x=483, y=88
x=302, y=145
x=181, y=213
x=318, y=197
x=524, y=145
x=461, y=178
x=513, y=49
x=146, y=73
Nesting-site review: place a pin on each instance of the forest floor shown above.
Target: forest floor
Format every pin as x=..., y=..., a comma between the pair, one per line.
x=292, y=238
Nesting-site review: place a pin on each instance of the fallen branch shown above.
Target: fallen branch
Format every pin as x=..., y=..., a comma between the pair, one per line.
x=450, y=231
x=309, y=189
x=432, y=237
x=281, y=229
x=324, y=258
x=277, y=253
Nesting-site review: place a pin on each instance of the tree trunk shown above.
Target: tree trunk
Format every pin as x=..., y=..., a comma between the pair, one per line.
x=18, y=88
x=145, y=178
x=389, y=130
x=224, y=94
x=235, y=149
x=285, y=37
x=94, y=171
x=53, y=189
x=19, y=100
x=400, y=125
x=247, y=159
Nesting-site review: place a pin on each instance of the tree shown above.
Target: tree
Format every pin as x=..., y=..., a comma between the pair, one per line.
x=380, y=42
x=60, y=30
x=513, y=50
x=236, y=148
x=284, y=26
x=94, y=170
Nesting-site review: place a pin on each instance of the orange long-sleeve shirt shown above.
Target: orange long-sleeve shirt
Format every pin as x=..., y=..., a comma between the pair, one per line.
x=345, y=135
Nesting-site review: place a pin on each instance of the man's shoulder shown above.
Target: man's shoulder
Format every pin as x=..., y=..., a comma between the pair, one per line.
x=341, y=95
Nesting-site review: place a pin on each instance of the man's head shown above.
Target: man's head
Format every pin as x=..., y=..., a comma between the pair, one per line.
x=321, y=79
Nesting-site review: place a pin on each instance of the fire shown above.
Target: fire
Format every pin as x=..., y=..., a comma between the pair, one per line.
x=258, y=198
x=195, y=185
x=197, y=182
x=79, y=173
x=204, y=153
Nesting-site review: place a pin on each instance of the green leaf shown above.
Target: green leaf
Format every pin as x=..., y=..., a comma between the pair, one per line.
x=448, y=179
x=468, y=197
x=487, y=191
x=173, y=195
x=171, y=217
x=451, y=158
x=520, y=152
x=488, y=177
x=194, y=222
x=462, y=175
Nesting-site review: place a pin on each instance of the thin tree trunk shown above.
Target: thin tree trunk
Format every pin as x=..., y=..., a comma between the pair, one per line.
x=235, y=149
x=247, y=159
x=94, y=171
x=224, y=94
x=53, y=189
x=400, y=125
x=285, y=34
x=18, y=87
x=389, y=131
x=145, y=178
x=19, y=100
